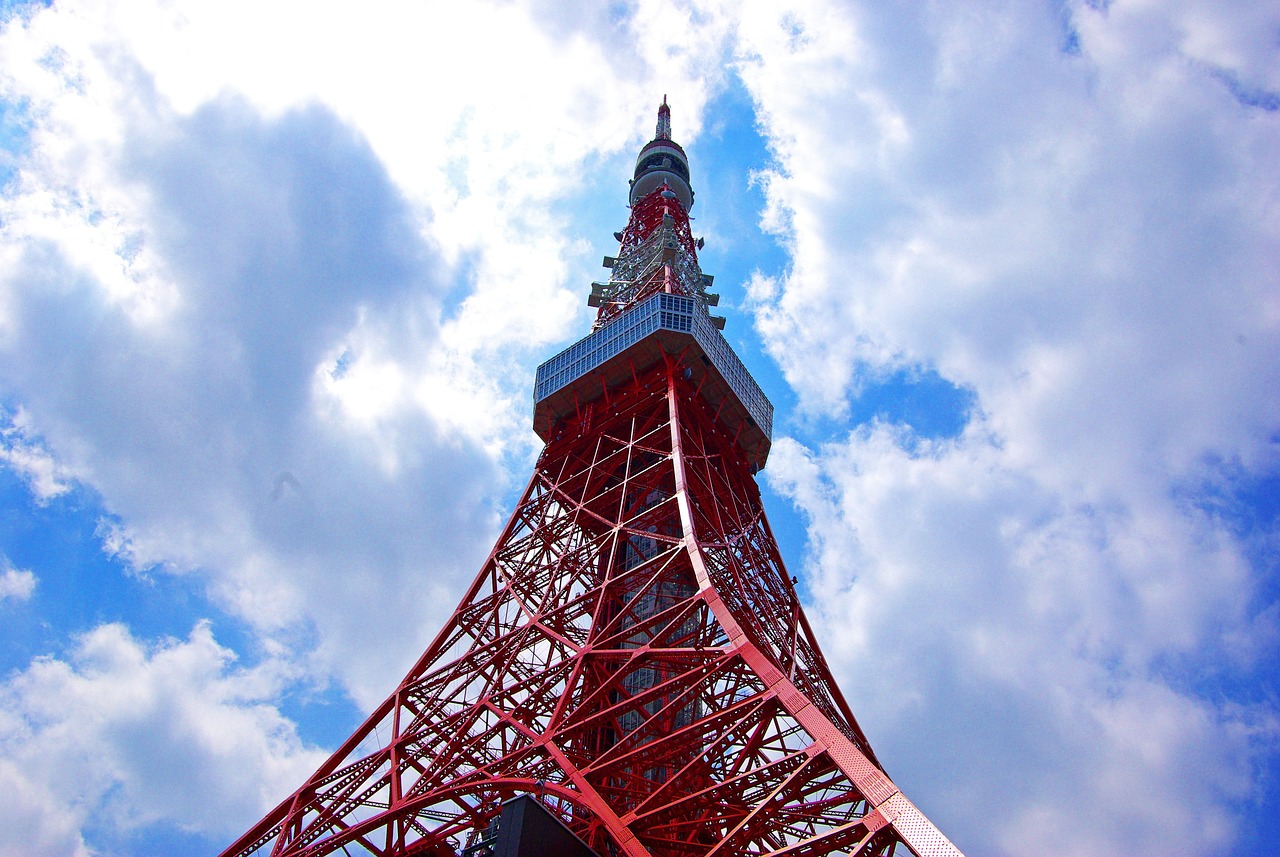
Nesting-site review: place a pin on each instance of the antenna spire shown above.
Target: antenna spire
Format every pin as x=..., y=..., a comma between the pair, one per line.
x=664, y=121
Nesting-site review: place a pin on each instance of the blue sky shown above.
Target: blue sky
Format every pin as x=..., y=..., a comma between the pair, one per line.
x=272, y=295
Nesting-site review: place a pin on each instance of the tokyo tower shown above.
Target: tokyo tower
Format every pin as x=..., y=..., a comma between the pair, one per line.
x=631, y=672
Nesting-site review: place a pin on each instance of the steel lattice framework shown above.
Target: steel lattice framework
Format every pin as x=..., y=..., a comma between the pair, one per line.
x=633, y=652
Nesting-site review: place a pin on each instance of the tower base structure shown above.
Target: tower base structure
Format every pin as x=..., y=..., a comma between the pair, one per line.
x=634, y=655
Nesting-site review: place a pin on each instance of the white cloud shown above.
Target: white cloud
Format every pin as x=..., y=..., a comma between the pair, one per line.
x=38, y=817
x=994, y=640
x=181, y=418
x=29, y=459
x=15, y=583
x=114, y=733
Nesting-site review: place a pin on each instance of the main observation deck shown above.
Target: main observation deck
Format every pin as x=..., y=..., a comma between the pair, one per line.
x=662, y=324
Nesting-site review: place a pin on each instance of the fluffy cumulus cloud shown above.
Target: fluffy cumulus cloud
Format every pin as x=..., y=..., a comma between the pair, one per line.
x=42, y=473
x=117, y=730
x=1071, y=215
x=16, y=584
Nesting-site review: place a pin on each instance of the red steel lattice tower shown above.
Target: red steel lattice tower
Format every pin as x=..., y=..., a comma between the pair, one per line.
x=633, y=653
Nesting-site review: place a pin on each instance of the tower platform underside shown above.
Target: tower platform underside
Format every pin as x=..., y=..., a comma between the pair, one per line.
x=660, y=327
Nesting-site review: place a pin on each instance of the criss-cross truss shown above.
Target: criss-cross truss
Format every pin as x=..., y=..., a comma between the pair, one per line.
x=657, y=253
x=634, y=654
